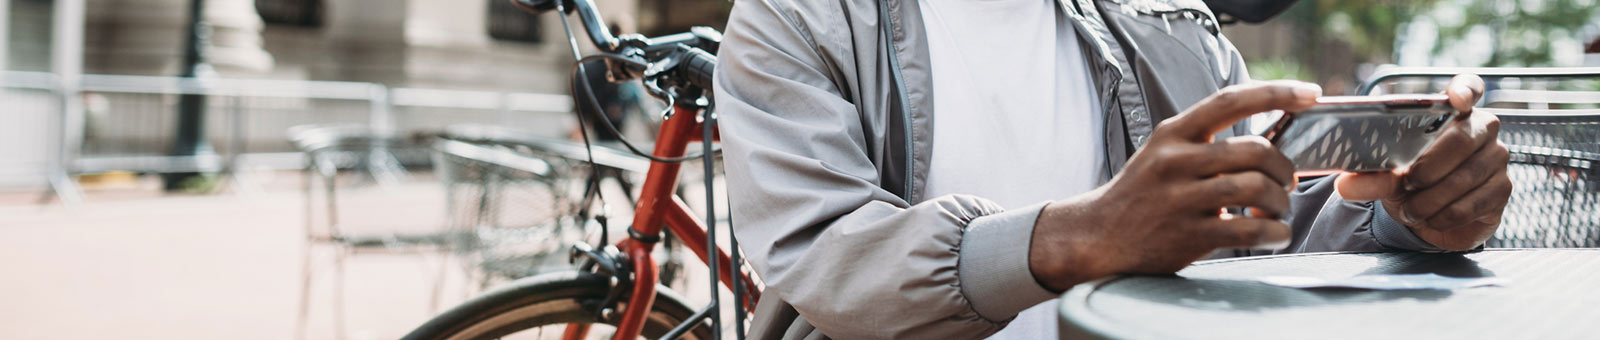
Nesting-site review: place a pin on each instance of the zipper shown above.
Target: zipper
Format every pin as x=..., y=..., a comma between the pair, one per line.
x=1108, y=105
x=887, y=30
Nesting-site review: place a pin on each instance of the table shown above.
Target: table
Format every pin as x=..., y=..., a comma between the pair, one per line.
x=1550, y=294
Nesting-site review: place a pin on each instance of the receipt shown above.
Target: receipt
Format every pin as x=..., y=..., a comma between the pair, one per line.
x=1427, y=281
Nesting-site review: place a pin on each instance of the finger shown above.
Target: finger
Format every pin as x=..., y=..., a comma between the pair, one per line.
x=1464, y=91
x=1246, y=153
x=1234, y=103
x=1462, y=239
x=1475, y=172
x=1368, y=186
x=1240, y=232
x=1485, y=200
x=1459, y=141
x=1240, y=189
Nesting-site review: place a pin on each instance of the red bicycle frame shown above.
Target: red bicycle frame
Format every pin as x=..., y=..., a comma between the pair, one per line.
x=658, y=207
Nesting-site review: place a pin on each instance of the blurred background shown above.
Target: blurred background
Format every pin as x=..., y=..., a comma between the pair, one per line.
x=268, y=169
x=1337, y=43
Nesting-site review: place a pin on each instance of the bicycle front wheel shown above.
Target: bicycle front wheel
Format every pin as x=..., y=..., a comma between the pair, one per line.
x=540, y=307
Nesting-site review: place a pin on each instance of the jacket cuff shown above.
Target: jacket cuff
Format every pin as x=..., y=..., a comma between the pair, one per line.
x=993, y=265
x=1395, y=235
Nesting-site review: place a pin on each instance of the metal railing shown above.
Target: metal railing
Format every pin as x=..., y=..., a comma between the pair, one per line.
x=127, y=122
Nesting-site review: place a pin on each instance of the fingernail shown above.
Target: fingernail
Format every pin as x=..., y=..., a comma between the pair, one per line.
x=1307, y=92
x=1272, y=245
x=1264, y=241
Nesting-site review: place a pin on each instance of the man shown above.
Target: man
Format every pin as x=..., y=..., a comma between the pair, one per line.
x=944, y=168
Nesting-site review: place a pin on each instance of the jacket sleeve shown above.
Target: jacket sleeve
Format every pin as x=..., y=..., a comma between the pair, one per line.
x=1320, y=219
x=854, y=260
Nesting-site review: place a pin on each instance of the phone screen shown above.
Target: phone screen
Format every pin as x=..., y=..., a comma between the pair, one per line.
x=1361, y=133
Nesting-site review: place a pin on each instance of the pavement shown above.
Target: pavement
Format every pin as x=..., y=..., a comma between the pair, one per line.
x=131, y=263
x=134, y=263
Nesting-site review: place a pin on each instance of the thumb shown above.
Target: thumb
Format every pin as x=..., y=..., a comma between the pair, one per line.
x=1368, y=186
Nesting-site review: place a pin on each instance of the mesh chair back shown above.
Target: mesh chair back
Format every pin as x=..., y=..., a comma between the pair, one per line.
x=1553, y=168
x=1550, y=121
x=513, y=208
x=343, y=158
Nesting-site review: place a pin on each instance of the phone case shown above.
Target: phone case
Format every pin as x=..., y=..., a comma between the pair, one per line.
x=1365, y=135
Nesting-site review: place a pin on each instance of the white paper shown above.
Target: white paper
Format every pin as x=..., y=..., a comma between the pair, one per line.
x=1386, y=282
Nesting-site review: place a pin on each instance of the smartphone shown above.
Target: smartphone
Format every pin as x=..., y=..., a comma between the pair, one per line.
x=1361, y=133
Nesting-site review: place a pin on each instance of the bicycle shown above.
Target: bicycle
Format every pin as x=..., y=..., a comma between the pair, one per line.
x=616, y=284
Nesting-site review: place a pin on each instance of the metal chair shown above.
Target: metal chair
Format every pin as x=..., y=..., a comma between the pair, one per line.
x=509, y=181
x=514, y=211
x=378, y=160
x=1550, y=121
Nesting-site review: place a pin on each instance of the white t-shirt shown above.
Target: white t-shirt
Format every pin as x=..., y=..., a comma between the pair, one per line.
x=1015, y=116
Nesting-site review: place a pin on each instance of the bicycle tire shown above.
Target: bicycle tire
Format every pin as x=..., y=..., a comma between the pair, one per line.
x=544, y=300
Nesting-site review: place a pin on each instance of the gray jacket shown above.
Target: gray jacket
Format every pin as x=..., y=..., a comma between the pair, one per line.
x=827, y=123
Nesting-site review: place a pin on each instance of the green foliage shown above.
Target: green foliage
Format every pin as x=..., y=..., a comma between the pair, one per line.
x=1368, y=25
x=1524, y=33
x=1279, y=68
x=1517, y=32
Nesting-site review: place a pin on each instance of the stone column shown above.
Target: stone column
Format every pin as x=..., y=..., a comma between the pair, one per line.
x=449, y=42
x=146, y=37
x=5, y=35
x=365, y=41
x=29, y=42
x=446, y=44
x=435, y=43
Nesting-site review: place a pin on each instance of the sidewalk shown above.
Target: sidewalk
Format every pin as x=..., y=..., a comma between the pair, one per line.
x=135, y=264
x=201, y=267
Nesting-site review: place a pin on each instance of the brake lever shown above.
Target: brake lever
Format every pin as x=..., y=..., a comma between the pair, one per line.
x=709, y=38
x=606, y=262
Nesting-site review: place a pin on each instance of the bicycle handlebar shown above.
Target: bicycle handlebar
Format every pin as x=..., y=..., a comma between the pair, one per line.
x=599, y=34
x=698, y=67
x=696, y=64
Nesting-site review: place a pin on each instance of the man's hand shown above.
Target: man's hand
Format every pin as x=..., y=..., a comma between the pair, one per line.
x=1164, y=210
x=1453, y=196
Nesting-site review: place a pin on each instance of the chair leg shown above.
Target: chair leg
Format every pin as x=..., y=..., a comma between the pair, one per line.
x=466, y=278
x=438, y=284
x=305, y=292
x=306, y=272
x=333, y=208
x=338, y=294
x=310, y=196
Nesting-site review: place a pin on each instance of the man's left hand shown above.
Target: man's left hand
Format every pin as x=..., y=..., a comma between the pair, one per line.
x=1454, y=194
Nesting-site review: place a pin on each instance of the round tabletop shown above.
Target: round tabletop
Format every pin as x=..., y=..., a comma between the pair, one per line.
x=1547, y=293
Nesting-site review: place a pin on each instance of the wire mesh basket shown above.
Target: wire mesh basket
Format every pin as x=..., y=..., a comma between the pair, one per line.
x=1554, y=159
x=514, y=208
x=1550, y=121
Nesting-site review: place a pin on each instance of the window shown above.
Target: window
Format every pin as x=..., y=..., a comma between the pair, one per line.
x=507, y=22
x=303, y=13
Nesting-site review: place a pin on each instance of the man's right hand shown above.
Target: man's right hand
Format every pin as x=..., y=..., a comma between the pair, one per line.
x=1164, y=210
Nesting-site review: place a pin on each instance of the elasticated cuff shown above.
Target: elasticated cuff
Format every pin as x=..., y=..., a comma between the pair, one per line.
x=1395, y=235
x=993, y=267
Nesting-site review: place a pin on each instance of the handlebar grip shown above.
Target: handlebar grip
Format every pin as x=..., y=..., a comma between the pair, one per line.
x=698, y=68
